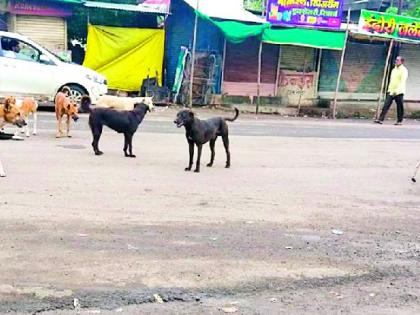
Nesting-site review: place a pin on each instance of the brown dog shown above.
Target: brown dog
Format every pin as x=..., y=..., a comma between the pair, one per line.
x=10, y=113
x=64, y=105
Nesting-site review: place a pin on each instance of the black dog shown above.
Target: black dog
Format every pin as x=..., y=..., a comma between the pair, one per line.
x=125, y=122
x=200, y=132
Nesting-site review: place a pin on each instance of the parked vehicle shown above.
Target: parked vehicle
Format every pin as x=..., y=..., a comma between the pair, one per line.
x=28, y=69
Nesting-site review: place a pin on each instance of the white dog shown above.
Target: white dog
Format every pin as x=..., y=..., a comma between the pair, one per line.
x=122, y=103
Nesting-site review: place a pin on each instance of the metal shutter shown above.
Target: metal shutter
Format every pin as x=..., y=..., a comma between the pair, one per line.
x=3, y=22
x=242, y=62
x=411, y=53
x=50, y=32
x=362, y=70
x=293, y=58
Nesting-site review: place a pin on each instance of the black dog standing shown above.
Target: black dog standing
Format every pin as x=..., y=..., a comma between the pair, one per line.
x=199, y=132
x=125, y=122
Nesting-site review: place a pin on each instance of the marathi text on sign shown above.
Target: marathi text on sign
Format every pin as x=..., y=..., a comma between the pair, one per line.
x=316, y=13
x=389, y=25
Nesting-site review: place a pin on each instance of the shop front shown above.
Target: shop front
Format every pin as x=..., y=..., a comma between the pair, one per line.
x=42, y=21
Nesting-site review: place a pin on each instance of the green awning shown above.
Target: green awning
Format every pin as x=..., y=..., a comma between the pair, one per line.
x=234, y=31
x=305, y=37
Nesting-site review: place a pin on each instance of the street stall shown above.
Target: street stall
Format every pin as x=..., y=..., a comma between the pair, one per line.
x=127, y=56
x=201, y=31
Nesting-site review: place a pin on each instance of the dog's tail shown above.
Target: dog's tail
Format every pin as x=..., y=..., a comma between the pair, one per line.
x=85, y=103
x=66, y=90
x=236, y=115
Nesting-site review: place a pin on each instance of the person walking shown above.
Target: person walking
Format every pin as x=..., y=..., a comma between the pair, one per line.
x=396, y=91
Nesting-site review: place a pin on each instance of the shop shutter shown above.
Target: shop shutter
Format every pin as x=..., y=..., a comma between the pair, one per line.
x=362, y=70
x=3, y=22
x=50, y=32
x=242, y=62
x=293, y=58
x=411, y=53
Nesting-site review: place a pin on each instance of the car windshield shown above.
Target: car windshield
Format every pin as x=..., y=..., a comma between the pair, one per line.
x=61, y=58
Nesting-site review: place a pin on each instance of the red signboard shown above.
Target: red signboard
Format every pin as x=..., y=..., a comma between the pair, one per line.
x=40, y=8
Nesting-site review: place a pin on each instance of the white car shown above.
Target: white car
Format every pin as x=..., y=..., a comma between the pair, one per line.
x=28, y=69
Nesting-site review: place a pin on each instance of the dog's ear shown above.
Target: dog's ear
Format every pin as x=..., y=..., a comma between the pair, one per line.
x=191, y=114
x=8, y=104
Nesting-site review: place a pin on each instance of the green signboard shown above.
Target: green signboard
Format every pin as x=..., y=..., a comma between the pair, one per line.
x=389, y=25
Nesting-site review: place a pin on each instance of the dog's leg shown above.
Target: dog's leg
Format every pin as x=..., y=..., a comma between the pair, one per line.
x=2, y=173
x=226, y=144
x=197, y=165
x=129, y=145
x=59, y=133
x=35, y=118
x=68, y=126
x=24, y=128
x=96, y=136
x=95, y=144
x=27, y=126
x=212, y=144
x=125, y=145
x=191, y=150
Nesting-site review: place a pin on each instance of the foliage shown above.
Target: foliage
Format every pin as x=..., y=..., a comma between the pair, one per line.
x=410, y=8
x=255, y=5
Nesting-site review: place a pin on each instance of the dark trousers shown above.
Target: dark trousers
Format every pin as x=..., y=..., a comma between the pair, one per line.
x=399, y=99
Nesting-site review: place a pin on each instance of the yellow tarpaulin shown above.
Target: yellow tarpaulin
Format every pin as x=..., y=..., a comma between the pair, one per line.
x=125, y=55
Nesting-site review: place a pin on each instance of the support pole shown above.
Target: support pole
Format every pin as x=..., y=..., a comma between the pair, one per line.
x=303, y=80
x=259, y=77
x=318, y=74
x=193, y=57
x=391, y=45
x=223, y=64
x=276, y=88
x=343, y=52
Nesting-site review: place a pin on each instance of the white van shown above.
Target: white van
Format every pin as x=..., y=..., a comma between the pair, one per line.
x=28, y=69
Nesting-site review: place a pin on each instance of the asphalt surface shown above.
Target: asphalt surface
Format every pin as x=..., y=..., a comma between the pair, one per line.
x=313, y=217
x=161, y=121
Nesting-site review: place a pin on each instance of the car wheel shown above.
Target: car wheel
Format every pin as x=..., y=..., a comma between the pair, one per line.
x=76, y=93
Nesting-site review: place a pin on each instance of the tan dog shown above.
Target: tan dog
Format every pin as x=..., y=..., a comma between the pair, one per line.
x=28, y=106
x=122, y=103
x=64, y=105
x=10, y=113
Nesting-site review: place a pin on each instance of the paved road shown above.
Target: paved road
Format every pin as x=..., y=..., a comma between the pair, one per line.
x=111, y=232
x=263, y=125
